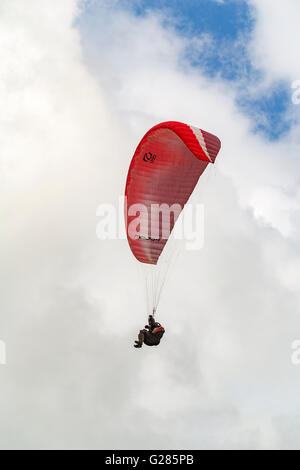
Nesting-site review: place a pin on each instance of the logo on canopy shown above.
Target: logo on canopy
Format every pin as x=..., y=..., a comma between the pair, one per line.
x=149, y=157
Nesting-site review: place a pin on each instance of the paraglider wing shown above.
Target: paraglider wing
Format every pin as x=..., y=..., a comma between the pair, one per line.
x=165, y=168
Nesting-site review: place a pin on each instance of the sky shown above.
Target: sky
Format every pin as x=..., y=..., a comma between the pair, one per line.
x=80, y=84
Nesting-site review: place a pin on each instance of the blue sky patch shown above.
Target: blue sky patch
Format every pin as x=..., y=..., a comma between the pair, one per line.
x=270, y=112
x=225, y=20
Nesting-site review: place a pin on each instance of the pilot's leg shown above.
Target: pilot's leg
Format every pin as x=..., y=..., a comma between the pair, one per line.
x=141, y=336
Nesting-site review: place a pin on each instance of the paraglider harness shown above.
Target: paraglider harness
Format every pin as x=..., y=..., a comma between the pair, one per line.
x=151, y=334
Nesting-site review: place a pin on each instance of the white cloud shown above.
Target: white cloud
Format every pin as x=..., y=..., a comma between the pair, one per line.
x=71, y=305
x=275, y=45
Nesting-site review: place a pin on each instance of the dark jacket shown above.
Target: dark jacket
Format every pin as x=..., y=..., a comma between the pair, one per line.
x=153, y=332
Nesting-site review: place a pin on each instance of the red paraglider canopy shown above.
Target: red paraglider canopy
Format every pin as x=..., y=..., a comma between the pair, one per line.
x=165, y=169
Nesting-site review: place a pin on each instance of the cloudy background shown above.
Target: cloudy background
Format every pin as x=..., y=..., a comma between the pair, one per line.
x=80, y=83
